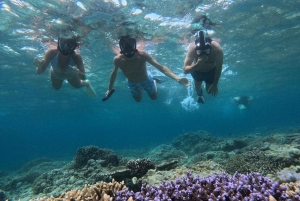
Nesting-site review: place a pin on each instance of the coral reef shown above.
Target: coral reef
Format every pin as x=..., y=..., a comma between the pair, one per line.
x=111, y=160
x=26, y=177
x=99, y=191
x=84, y=154
x=287, y=176
x=139, y=167
x=252, y=186
x=2, y=195
x=34, y=163
x=197, y=142
x=164, y=152
x=252, y=161
x=293, y=190
x=199, y=153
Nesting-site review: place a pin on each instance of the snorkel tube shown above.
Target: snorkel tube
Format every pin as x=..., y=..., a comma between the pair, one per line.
x=202, y=46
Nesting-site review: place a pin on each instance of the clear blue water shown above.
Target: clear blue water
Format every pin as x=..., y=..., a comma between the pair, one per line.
x=260, y=40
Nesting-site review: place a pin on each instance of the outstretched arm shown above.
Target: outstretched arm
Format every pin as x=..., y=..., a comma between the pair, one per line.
x=80, y=66
x=42, y=65
x=113, y=77
x=219, y=62
x=167, y=71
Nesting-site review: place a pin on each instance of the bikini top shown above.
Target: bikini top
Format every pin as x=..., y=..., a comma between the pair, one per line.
x=55, y=60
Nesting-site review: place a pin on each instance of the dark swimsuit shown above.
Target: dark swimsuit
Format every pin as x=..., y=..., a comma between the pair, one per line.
x=208, y=77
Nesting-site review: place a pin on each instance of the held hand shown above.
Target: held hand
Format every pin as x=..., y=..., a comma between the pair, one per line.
x=202, y=59
x=37, y=62
x=107, y=93
x=213, y=90
x=184, y=81
x=76, y=70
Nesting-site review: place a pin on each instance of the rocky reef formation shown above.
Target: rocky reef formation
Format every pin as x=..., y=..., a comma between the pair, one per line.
x=84, y=154
x=275, y=157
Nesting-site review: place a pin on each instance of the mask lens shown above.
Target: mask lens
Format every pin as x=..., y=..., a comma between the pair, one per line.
x=129, y=54
x=207, y=51
x=66, y=47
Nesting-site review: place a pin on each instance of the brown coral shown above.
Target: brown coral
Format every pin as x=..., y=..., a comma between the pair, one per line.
x=100, y=191
x=293, y=189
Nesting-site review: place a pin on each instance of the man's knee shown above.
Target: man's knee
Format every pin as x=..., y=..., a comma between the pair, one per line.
x=137, y=99
x=56, y=86
x=153, y=96
x=76, y=83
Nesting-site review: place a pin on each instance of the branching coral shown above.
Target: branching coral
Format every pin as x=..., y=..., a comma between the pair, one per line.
x=139, y=167
x=253, y=187
x=100, y=191
x=252, y=161
x=293, y=190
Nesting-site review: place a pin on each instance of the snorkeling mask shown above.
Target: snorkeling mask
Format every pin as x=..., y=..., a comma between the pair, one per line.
x=201, y=44
x=127, y=46
x=67, y=46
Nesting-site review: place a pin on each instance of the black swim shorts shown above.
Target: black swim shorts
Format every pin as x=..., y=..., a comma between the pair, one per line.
x=208, y=77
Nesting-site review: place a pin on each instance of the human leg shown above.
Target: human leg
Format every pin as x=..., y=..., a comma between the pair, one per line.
x=138, y=97
x=153, y=93
x=76, y=82
x=136, y=91
x=207, y=86
x=198, y=88
x=150, y=86
x=55, y=81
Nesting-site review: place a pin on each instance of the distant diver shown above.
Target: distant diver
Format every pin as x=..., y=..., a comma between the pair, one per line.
x=204, y=61
x=243, y=102
x=202, y=22
x=132, y=62
x=66, y=64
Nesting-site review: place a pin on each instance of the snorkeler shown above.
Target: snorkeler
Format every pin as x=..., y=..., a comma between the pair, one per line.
x=243, y=102
x=133, y=65
x=67, y=64
x=204, y=61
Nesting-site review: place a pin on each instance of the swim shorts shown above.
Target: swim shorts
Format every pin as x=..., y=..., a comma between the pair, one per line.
x=208, y=77
x=137, y=88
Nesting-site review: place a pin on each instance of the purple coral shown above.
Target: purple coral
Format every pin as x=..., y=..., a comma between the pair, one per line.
x=218, y=187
